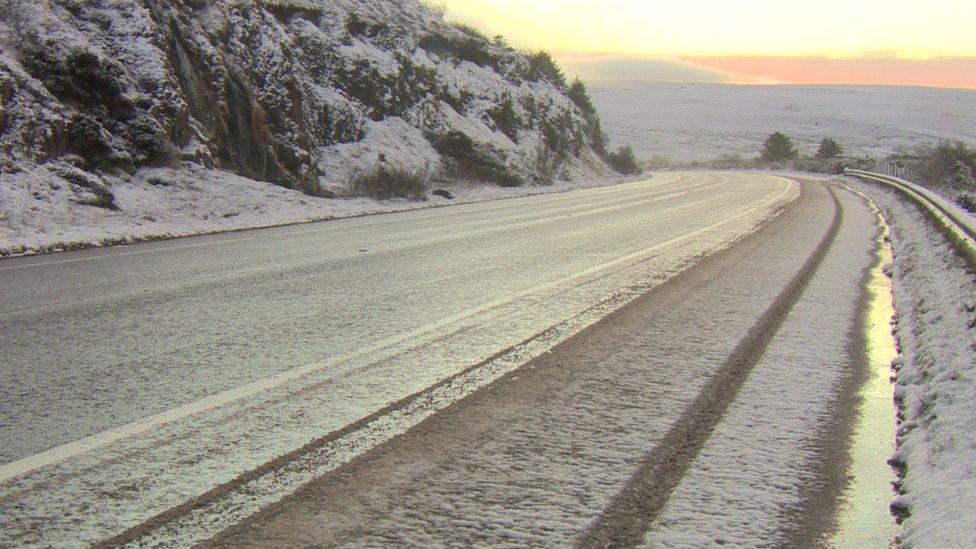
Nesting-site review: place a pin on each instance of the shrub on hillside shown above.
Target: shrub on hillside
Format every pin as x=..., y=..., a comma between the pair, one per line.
x=80, y=77
x=623, y=161
x=471, y=46
x=437, y=7
x=386, y=94
x=505, y=118
x=474, y=50
x=546, y=164
x=285, y=10
x=357, y=26
x=470, y=30
x=466, y=160
x=560, y=134
x=946, y=161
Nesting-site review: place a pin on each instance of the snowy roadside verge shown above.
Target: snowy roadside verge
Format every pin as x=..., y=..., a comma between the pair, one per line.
x=935, y=296
x=40, y=213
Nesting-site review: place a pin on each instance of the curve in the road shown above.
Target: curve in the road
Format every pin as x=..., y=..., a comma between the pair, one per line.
x=66, y=451
x=411, y=409
x=195, y=451
x=530, y=458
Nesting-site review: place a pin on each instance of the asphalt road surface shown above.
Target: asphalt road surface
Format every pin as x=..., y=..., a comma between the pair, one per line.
x=502, y=371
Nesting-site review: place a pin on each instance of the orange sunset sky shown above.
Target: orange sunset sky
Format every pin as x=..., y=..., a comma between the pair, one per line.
x=890, y=42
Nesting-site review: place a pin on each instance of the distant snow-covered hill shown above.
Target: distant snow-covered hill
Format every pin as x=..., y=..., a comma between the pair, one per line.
x=703, y=121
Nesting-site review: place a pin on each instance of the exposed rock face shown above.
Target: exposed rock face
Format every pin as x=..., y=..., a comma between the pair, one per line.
x=301, y=93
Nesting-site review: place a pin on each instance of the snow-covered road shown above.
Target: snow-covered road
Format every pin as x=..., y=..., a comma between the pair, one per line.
x=143, y=382
x=698, y=415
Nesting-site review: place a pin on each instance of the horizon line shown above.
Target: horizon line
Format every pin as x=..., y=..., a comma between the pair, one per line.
x=776, y=84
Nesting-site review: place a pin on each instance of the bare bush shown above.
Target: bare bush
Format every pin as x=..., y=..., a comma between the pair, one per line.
x=437, y=7
x=948, y=164
x=385, y=182
x=546, y=164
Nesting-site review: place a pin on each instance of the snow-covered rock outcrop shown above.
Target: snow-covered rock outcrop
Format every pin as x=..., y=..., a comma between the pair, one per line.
x=306, y=94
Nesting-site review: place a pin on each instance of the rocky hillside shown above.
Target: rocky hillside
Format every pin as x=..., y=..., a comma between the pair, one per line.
x=310, y=95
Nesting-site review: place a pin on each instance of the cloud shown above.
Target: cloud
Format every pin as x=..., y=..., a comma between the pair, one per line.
x=649, y=69
x=877, y=68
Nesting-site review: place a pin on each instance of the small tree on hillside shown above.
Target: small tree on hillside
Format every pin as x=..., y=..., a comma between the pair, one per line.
x=580, y=96
x=778, y=147
x=542, y=66
x=829, y=148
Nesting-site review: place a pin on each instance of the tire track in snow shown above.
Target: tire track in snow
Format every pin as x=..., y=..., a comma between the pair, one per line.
x=534, y=457
x=625, y=520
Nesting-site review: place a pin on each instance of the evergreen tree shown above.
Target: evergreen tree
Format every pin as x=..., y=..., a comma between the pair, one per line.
x=778, y=147
x=829, y=148
x=542, y=66
x=579, y=95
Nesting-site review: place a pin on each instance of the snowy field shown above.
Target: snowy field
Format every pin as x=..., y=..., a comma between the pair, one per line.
x=703, y=121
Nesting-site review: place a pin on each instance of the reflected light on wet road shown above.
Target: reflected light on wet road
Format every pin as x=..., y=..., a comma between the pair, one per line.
x=864, y=519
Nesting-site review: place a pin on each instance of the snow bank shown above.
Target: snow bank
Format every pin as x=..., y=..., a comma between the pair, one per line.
x=40, y=212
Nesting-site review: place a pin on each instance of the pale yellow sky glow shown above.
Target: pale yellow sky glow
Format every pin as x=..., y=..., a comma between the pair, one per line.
x=914, y=29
